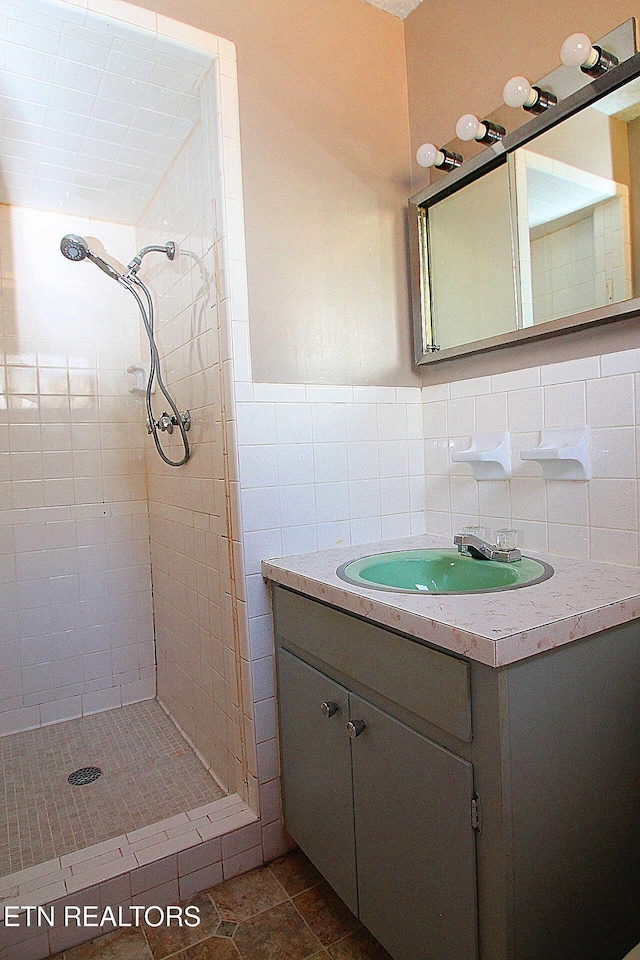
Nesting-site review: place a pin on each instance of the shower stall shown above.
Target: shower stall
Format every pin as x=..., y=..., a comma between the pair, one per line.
x=123, y=633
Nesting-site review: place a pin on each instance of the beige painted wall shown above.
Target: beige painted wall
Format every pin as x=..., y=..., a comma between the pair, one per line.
x=458, y=64
x=325, y=150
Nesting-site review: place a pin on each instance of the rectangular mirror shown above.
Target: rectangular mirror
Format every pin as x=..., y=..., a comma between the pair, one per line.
x=538, y=233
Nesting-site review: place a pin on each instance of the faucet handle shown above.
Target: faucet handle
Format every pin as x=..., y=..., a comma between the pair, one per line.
x=506, y=539
x=475, y=531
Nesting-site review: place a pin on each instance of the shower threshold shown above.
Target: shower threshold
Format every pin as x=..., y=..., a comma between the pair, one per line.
x=154, y=866
x=148, y=773
x=155, y=827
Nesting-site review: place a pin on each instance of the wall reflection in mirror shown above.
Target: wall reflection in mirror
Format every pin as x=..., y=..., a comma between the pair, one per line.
x=471, y=262
x=576, y=195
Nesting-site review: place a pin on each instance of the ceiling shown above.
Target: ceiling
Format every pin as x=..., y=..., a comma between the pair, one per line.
x=399, y=8
x=552, y=195
x=623, y=103
x=92, y=112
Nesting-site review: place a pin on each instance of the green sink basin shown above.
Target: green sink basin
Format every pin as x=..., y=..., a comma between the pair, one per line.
x=441, y=571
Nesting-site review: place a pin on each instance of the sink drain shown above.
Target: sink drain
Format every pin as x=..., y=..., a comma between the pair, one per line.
x=84, y=775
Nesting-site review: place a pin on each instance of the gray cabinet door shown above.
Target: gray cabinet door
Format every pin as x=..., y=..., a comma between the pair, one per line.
x=316, y=772
x=415, y=841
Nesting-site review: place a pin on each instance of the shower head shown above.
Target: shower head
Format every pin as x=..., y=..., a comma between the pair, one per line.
x=76, y=248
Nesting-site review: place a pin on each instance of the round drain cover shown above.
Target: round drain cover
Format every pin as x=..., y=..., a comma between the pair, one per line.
x=84, y=775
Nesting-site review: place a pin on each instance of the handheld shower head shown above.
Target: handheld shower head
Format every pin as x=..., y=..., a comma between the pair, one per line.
x=76, y=248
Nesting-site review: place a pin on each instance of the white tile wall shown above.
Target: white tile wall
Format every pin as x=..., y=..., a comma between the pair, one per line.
x=76, y=631
x=317, y=466
x=318, y=473
x=571, y=518
x=189, y=540
x=92, y=111
x=563, y=268
x=584, y=265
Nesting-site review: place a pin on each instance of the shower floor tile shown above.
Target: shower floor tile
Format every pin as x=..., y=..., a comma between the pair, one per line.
x=149, y=773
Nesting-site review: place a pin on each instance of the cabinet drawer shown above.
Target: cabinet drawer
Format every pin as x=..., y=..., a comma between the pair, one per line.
x=430, y=684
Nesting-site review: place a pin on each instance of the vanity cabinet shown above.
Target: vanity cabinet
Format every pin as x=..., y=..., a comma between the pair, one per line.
x=480, y=812
x=383, y=812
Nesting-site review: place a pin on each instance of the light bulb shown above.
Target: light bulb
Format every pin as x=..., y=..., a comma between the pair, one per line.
x=428, y=155
x=518, y=92
x=469, y=127
x=578, y=51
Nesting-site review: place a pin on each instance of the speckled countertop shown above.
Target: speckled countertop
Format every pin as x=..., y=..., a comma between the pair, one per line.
x=581, y=598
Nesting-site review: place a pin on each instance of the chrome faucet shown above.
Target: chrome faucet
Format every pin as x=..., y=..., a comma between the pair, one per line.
x=473, y=546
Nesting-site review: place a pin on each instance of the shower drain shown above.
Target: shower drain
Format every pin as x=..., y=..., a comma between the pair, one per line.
x=84, y=775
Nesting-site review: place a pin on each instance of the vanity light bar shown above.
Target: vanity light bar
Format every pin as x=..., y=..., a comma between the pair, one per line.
x=576, y=51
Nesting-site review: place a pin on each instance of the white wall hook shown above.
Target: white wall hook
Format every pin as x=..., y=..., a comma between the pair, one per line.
x=489, y=456
x=563, y=453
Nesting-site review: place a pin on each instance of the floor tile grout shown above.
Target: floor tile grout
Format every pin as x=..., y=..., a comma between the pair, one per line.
x=260, y=930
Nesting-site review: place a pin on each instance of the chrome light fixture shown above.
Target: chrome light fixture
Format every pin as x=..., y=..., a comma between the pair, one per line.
x=518, y=92
x=578, y=51
x=469, y=127
x=428, y=155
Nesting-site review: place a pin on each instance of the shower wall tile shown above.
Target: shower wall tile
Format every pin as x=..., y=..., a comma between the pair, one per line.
x=76, y=599
x=191, y=553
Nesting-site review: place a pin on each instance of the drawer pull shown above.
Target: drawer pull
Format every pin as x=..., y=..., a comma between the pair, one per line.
x=329, y=708
x=355, y=728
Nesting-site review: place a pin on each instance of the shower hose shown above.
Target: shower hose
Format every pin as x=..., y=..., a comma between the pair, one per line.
x=130, y=281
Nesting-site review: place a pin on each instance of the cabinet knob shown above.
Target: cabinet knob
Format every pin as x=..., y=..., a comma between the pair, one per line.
x=329, y=708
x=355, y=728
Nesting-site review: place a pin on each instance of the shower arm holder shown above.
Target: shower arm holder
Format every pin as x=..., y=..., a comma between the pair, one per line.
x=134, y=265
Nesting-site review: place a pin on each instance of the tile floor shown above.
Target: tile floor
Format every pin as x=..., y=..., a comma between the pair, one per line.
x=284, y=911
x=149, y=773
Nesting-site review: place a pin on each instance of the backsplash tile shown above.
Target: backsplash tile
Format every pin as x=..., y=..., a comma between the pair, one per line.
x=335, y=465
x=572, y=518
